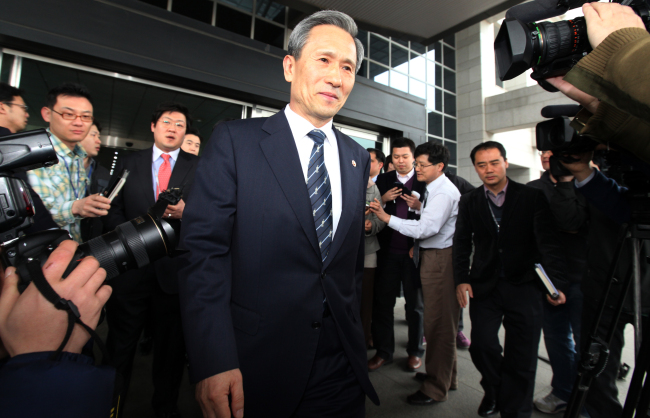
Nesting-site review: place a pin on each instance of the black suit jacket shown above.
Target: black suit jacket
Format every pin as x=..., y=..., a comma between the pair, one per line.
x=385, y=182
x=99, y=179
x=252, y=292
x=527, y=236
x=137, y=196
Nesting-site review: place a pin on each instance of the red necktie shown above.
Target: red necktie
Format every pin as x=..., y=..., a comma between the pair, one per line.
x=164, y=173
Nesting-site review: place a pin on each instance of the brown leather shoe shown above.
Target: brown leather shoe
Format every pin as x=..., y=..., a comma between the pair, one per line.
x=413, y=363
x=376, y=362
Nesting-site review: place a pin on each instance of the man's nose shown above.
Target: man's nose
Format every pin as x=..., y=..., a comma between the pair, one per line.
x=333, y=76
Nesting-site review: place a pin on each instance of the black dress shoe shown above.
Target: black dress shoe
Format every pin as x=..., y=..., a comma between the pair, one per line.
x=419, y=398
x=420, y=377
x=488, y=407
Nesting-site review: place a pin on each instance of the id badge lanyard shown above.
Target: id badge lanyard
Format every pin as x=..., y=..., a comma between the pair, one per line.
x=75, y=190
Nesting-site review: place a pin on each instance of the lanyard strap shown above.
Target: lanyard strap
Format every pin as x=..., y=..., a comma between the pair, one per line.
x=78, y=188
x=494, y=217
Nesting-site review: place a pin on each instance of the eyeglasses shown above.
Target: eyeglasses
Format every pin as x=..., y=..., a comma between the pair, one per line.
x=543, y=153
x=168, y=123
x=17, y=104
x=417, y=164
x=72, y=116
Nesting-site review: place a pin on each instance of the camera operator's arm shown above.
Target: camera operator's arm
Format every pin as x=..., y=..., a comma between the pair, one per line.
x=602, y=192
x=29, y=323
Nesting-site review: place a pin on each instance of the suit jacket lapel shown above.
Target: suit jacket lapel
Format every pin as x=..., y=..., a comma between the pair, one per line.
x=484, y=211
x=512, y=195
x=144, y=174
x=280, y=151
x=181, y=169
x=350, y=192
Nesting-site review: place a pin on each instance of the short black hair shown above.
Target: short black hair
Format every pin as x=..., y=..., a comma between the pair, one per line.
x=193, y=131
x=69, y=90
x=378, y=154
x=437, y=153
x=98, y=125
x=165, y=107
x=402, y=142
x=488, y=145
x=8, y=92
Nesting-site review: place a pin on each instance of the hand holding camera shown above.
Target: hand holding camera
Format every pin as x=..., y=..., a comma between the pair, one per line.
x=605, y=18
x=30, y=323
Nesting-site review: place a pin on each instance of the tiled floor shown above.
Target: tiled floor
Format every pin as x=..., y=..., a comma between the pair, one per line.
x=392, y=383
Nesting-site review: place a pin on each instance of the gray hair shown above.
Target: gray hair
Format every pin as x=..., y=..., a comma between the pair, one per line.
x=299, y=36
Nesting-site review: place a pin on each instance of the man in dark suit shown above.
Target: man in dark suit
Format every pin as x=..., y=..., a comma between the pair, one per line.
x=98, y=179
x=512, y=228
x=271, y=293
x=152, y=290
x=395, y=265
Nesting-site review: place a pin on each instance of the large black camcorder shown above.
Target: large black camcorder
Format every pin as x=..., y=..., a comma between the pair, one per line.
x=550, y=49
x=133, y=244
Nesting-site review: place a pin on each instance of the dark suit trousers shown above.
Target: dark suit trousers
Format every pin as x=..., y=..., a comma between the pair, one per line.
x=394, y=269
x=136, y=299
x=367, y=295
x=510, y=377
x=333, y=389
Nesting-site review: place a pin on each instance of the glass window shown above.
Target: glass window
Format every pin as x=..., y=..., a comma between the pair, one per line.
x=418, y=47
x=450, y=57
x=417, y=88
x=7, y=63
x=234, y=21
x=294, y=18
x=452, y=147
x=269, y=33
x=450, y=104
x=363, y=37
x=399, y=58
x=435, y=123
x=450, y=40
x=270, y=10
x=417, y=67
x=158, y=3
x=434, y=98
x=435, y=140
x=450, y=80
x=363, y=71
x=399, y=81
x=246, y=5
x=451, y=169
x=379, y=49
x=200, y=10
x=379, y=73
x=435, y=52
x=399, y=41
x=450, y=128
x=434, y=74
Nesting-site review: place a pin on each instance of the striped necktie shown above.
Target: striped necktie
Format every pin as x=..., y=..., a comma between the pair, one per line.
x=320, y=193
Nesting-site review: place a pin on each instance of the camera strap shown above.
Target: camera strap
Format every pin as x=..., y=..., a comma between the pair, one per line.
x=74, y=317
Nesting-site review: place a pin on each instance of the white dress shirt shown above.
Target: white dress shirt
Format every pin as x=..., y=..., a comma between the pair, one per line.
x=406, y=178
x=300, y=127
x=437, y=223
x=157, y=161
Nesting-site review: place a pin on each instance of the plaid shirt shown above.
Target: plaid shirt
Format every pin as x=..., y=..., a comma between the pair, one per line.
x=60, y=185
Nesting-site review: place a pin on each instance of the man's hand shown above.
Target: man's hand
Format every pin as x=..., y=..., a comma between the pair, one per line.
x=580, y=169
x=376, y=208
x=212, y=394
x=412, y=202
x=559, y=301
x=461, y=289
x=587, y=101
x=368, y=226
x=605, y=18
x=175, y=211
x=391, y=194
x=92, y=206
x=411, y=252
x=29, y=323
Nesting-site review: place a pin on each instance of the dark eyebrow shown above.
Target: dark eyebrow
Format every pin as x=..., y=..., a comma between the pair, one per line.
x=333, y=55
x=83, y=111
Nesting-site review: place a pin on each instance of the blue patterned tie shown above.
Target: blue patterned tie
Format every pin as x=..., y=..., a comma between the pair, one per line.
x=320, y=193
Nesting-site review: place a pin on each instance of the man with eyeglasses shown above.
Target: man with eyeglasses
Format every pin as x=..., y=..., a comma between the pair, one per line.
x=152, y=291
x=69, y=111
x=433, y=234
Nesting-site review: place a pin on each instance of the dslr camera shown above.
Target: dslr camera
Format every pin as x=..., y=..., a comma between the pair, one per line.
x=133, y=244
x=550, y=49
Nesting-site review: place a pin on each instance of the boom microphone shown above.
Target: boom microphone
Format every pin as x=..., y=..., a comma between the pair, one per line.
x=560, y=110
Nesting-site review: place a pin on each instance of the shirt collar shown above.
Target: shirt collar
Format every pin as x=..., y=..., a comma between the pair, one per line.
x=300, y=126
x=436, y=183
x=502, y=192
x=406, y=177
x=62, y=149
x=157, y=152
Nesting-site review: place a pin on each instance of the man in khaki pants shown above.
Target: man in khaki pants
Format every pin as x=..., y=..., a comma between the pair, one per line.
x=433, y=235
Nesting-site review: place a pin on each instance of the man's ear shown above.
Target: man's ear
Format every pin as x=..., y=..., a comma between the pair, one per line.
x=381, y=165
x=153, y=126
x=289, y=65
x=3, y=111
x=46, y=114
x=506, y=161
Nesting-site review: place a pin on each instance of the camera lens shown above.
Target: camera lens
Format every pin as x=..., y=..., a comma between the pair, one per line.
x=561, y=39
x=131, y=245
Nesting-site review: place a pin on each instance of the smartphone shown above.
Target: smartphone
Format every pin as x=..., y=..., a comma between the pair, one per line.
x=401, y=185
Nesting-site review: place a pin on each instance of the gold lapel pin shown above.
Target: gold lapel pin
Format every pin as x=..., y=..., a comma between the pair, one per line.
x=354, y=163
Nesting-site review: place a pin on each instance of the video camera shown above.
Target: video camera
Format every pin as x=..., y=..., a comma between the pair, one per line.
x=550, y=49
x=133, y=244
